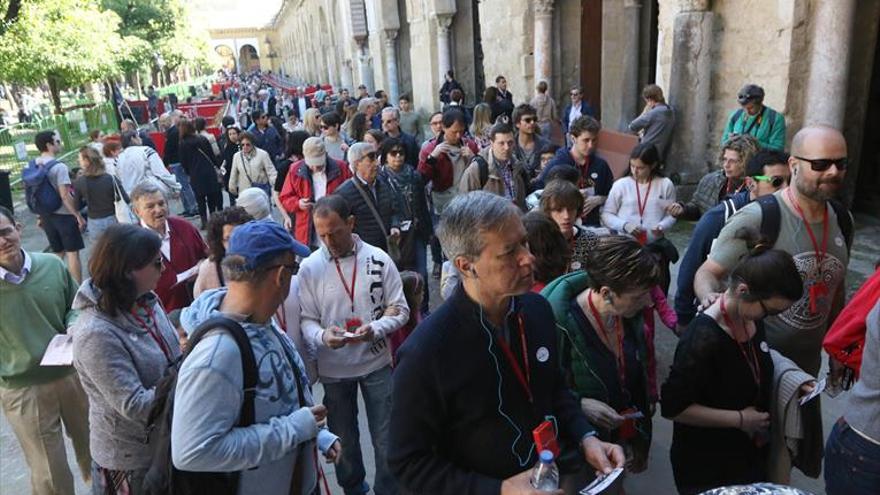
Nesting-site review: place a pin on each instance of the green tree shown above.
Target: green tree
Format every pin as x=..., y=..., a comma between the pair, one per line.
x=62, y=42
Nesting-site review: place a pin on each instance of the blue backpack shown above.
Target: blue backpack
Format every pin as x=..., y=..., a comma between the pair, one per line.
x=42, y=198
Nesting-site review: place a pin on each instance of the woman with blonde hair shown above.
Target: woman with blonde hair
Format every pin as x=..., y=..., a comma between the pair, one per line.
x=481, y=124
x=312, y=122
x=98, y=190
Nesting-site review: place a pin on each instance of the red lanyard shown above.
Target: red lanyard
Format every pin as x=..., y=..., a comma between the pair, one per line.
x=819, y=254
x=348, y=290
x=523, y=378
x=730, y=186
x=754, y=364
x=621, y=358
x=644, y=205
x=154, y=331
x=281, y=316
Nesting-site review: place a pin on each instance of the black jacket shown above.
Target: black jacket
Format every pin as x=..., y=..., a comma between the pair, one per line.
x=198, y=160
x=172, y=143
x=598, y=172
x=365, y=224
x=448, y=435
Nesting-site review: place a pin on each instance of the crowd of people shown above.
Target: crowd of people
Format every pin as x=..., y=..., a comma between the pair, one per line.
x=199, y=351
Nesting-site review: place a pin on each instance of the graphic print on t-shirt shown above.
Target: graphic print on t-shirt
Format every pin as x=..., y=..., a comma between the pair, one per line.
x=831, y=274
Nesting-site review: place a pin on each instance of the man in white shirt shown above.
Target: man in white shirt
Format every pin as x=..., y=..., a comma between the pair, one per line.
x=352, y=299
x=137, y=163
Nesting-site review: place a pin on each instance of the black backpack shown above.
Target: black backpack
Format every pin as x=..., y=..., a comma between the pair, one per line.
x=771, y=219
x=162, y=477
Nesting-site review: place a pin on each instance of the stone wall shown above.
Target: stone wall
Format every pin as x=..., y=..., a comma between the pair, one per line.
x=507, y=32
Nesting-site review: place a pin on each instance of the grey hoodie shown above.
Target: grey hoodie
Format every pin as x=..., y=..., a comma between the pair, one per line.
x=119, y=365
x=208, y=401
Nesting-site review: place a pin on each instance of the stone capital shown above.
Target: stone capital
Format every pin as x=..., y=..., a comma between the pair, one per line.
x=390, y=35
x=543, y=7
x=696, y=5
x=444, y=22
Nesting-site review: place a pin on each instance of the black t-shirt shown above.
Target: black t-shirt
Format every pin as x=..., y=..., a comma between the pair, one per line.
x=710, y=369
x=98, y=193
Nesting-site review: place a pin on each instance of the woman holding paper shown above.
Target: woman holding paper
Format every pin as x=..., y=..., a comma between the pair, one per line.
x=718, y=391
x=123, y=344
x=598, y=314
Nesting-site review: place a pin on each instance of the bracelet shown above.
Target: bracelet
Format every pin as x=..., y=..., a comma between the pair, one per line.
x=740, y=419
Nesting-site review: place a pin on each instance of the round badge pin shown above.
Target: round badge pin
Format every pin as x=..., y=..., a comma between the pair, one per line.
x=764, y=347
x=594, y=175
x=575, y=265
x=838, y=241
x=543, y=354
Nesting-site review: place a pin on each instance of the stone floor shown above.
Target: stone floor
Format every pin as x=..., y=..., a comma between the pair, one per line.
x=657, y=480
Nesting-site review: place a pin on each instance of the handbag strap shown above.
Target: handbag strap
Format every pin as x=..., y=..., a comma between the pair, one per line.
x=245, y=162
x=370, y=204
x=117, y=194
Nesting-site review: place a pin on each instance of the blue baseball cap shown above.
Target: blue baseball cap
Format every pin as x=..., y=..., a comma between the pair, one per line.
x=258, y=241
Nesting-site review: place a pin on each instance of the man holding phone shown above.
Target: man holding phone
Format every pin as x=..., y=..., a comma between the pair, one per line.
x=307, y=181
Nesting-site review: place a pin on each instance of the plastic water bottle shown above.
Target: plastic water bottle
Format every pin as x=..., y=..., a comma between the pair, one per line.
x=545, y=476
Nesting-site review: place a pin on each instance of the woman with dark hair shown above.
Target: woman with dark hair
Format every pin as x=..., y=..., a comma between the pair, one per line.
x=230, y=148
x=599, y=317
x=357, y=127
x=416, y=227
x=548, y=246
x=638, y=201
x=201, y=126
x=123, y=344
x=293, y=153
x=198, y=160
x=719, y=388
x=220, y=228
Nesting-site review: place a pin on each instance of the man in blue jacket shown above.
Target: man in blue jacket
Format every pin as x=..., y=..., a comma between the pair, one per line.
x=265, y=136
x=766, y=173
x=480, y=374
x=596, y=176
x=576, y=109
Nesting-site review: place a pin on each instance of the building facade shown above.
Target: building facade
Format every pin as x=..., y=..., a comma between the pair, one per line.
x=815, y=59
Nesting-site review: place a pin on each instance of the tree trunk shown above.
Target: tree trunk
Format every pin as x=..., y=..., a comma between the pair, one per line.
x=56, y=94
x=137, y=84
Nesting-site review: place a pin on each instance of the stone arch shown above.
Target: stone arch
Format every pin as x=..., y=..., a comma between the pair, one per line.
x=248, y=58
x=227, y=55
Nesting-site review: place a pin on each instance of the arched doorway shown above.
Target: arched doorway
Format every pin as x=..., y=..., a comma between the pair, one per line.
x=227, y=56
x=248, y=59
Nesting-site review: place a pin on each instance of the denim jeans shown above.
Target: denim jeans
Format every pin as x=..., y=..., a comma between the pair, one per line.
x=852, y=463
x=340, y=398
x=186, y=192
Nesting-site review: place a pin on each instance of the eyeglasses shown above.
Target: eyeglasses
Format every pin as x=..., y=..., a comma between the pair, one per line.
x=775, y=181
x=245, y=143
x=823, y=164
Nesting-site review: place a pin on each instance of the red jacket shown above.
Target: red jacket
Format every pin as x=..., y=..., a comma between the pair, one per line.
x=845, y=340
x=187, y=249
x=439, y=171
x=298, y=185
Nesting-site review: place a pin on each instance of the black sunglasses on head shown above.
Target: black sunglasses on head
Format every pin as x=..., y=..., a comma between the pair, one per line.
x=823, y=164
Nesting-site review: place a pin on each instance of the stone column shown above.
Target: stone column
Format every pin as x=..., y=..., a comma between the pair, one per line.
x=364, y=67
x=829, y=63
x=689, y=82
x=543, y=45
x=444, y=44
x=346, y=75
x=391, y=65
x=629, y=107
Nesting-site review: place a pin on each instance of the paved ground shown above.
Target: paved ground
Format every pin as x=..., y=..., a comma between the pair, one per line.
x=656, y=480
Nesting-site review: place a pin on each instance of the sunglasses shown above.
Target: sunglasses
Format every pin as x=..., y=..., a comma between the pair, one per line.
x=395, y=153
x=245, y=143
x=823, y=164
x=775, y=181
x=574, y=93
x=293, y=267
x=324, y=127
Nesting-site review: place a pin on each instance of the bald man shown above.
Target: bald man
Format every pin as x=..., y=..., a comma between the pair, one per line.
x=818, y=166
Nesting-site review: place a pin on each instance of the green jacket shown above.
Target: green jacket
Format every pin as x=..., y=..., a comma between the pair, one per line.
x=769, y=131
x=580, y=361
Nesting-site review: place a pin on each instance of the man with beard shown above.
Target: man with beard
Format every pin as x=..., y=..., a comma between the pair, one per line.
x=812, y=228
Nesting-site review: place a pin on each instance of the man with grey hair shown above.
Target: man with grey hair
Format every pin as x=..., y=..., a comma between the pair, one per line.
x=137, y=163
x=391, y=128
x=474, y=430
x=182, y=246
x=130, y=125
x=276, y=453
